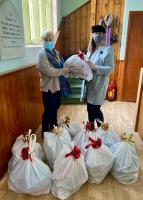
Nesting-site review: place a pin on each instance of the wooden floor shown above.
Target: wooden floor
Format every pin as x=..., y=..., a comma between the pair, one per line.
x=121, y=116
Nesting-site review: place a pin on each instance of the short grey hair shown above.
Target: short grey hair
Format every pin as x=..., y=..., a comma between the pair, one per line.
x=47, y=35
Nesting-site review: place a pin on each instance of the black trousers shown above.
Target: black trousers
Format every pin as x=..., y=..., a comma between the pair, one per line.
x=94, y=113
x=51, y=102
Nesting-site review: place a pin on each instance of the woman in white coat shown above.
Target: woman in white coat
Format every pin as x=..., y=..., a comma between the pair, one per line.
x=101, y=60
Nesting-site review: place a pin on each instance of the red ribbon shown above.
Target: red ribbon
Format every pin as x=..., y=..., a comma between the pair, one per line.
x=94, y=143
x=90, y=127
x=25, y=154
x=80, y=54
x=75, y=153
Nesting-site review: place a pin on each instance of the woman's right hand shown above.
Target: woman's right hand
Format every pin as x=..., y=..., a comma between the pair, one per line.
x=66, y=70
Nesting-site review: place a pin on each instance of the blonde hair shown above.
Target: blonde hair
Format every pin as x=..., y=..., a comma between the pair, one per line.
x=47, y=36
x=89, y=48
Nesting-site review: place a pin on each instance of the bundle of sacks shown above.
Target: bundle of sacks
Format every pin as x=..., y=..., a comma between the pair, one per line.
x=75, y=155
x=29, y=174
x=78, y=67
x=126, y=164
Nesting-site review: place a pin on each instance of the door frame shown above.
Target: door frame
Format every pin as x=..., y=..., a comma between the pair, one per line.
x=131, y=13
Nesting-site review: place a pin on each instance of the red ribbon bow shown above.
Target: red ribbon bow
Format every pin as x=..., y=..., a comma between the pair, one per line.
x=25, y=154
x=94, y=143
x=75, y=153
x=90, y=127
x=80, y=54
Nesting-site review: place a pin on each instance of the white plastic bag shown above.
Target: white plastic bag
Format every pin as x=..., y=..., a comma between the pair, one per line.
x=126, y=165
x=108, y=137
x=79, y=68
x=98, y=159
x=69, y=173
x=19, y=144
x=53, y=144
x=73, y=127
x=30, y=175
x=81, y=139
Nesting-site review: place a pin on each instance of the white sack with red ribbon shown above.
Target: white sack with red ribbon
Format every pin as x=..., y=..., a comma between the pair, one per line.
x=108, y=136
x=54, y=142
x=98, y=159
x=79, y=68
x=20, y=143
x=30, y=175
x=72, y=127
x=126, y=166
x=81, y=139
x=69, y=172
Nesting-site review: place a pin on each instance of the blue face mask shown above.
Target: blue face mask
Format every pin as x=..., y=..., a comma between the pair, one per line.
x=48, y=45
x=98, y=38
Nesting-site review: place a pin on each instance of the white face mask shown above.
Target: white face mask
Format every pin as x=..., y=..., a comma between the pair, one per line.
x=98, y=38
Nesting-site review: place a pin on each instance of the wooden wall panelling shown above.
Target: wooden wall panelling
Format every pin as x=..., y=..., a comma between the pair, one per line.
x=84, y=28
x=98, y=10
x=72, y=28
x=78, y=29
x=93, y=7
x=89, y=23
x=59, y=41
x=66, y=35
x=105, y=7
x=140, y=117
x=20, y=108
x=139, y=106
x=120, y=79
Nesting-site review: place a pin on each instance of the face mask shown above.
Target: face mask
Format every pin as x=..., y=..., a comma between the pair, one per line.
x=98, y=38
x=48, y=45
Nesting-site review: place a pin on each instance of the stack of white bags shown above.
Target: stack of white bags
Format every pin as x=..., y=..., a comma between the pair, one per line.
x=74, y=155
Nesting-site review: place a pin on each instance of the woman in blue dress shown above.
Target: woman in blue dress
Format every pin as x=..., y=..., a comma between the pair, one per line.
x=100, y=58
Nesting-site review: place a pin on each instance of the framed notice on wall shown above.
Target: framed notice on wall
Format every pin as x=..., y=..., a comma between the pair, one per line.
x=11, y=31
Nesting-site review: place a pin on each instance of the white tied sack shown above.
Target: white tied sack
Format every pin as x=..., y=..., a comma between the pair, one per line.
x=82, y=138
x=98, y=161
x=108, y=137
x=73, y=127
x=30, y=176
x=126, y=165
x=20, y=143
x=79, y=68
x=54, y=142
x=69, y=173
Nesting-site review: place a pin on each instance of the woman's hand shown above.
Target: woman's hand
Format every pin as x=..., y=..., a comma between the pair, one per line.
x=92, y=66
x=66, y=70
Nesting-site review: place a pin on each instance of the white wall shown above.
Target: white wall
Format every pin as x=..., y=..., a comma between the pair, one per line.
x=71, y=5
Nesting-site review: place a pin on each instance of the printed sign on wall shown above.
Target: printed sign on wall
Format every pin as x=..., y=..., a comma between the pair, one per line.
x=11, y=31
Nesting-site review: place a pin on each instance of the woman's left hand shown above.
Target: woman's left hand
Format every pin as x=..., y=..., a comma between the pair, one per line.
x=92, y=66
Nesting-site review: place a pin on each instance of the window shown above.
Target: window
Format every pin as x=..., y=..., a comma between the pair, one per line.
x=37, y=17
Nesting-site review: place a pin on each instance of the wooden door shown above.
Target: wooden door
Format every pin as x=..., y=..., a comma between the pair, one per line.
x=133, y=55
